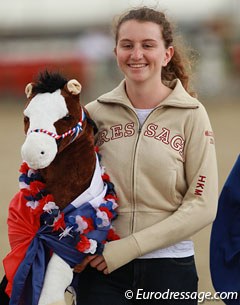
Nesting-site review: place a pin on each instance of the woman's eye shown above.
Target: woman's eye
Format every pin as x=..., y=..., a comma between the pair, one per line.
x=147, y=46
x=127, y=46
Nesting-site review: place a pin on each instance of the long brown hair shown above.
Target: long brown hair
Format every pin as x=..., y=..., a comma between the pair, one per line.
x=180, y=64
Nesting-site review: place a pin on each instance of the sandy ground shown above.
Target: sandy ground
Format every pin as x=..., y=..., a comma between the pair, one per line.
x=224, y=115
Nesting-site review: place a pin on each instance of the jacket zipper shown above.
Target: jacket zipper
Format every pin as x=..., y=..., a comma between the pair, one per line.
x=133, y=177
x=133, y=165
x=133, y=170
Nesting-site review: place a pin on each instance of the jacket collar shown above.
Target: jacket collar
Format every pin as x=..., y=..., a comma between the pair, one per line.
x=178, y=97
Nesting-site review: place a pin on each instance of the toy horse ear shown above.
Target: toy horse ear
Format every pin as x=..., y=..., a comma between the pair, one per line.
x=74, y=87
x=28, y=90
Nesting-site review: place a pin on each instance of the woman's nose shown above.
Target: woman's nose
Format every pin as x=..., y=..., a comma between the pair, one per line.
x=137, y=53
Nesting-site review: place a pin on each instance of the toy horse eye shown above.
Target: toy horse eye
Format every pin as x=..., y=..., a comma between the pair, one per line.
x=67, y=117
x=26, y=119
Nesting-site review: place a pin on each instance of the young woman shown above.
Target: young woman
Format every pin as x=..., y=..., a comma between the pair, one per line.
x=157, y=144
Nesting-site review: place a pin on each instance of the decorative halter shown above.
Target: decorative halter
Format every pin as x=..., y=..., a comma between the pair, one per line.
x=72, y=132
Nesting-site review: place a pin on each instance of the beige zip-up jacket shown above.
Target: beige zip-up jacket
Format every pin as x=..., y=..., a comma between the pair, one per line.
x=165, y=172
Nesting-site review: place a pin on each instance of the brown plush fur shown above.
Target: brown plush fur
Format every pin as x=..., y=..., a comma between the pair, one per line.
x=71, y=171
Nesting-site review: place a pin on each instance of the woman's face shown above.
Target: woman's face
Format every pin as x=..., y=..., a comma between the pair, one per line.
x=141, y=52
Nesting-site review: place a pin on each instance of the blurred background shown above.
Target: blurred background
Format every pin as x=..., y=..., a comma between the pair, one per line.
x=74, y=37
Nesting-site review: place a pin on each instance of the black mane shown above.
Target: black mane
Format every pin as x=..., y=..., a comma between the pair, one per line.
x=48, y=82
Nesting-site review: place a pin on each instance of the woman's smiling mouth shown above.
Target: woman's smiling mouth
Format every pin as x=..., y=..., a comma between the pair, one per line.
x=137, y=65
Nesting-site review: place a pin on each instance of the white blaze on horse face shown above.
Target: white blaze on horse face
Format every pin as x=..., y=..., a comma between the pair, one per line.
x=40, y=149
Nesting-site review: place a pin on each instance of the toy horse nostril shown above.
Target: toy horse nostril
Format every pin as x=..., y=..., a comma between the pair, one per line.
x=42, y=152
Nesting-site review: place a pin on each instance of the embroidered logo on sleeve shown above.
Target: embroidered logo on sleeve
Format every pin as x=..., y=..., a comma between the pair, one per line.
x=210, y=134
x=200, y=185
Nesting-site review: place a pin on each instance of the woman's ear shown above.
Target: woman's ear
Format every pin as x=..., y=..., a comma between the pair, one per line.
x=168, y=55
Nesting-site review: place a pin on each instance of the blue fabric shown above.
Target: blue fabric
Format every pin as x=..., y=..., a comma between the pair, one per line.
x=29, y=277
x=225, y=237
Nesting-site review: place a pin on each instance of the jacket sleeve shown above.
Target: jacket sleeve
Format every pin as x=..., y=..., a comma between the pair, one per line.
x=199, y=205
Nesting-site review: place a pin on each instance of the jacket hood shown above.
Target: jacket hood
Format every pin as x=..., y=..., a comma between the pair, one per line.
x=177, y=98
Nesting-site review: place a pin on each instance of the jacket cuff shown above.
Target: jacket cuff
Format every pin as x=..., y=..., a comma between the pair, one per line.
x=119, y=252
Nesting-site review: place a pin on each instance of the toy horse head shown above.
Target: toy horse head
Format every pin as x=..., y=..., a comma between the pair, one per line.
x=53, y=118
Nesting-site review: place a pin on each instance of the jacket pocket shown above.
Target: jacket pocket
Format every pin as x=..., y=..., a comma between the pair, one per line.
x=172, y=191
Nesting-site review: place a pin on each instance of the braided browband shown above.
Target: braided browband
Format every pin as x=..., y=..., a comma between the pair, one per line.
x=72, y=132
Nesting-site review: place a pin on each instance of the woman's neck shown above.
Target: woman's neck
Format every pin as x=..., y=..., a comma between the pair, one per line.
x=144, y=96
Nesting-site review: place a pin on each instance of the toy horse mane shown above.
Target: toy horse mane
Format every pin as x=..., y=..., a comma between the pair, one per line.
x=49, y=82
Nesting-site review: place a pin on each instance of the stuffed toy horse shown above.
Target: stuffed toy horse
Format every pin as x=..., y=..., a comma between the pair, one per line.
x=66, y=202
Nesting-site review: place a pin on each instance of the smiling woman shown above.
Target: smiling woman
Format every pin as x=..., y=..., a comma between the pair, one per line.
x=141, y=54
x=146, y=51
x=154, y=138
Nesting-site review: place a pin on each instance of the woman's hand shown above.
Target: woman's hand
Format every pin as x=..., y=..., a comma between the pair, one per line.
x=99, y=263
x=80, y=267
x=95, y=261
